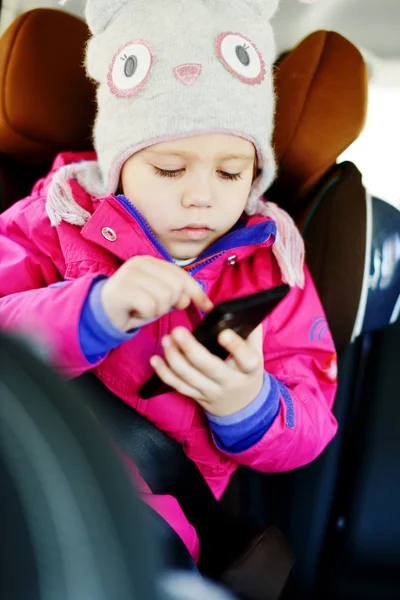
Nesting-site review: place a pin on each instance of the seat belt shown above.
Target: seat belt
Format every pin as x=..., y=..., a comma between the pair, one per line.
x=227, y=543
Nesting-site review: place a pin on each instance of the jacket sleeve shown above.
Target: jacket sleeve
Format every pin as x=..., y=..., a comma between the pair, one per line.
x=299, y=353
x=34, y=299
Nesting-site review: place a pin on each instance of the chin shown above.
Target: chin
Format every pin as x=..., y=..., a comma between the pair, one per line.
x=184, y=255
x=189, y=251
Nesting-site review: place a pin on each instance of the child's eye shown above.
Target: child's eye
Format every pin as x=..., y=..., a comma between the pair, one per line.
x=230, y=176
x=175, y=173
x=165, y=173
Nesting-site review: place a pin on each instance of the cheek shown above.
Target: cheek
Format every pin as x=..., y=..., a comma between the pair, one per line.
x=156, y=209
x=146, y=195
x=155, y=215
x=236, y=201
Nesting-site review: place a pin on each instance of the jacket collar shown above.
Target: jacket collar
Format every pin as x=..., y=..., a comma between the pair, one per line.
x=119, y=227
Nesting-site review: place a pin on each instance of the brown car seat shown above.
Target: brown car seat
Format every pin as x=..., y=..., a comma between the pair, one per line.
x=47, y=104
x=321, y=109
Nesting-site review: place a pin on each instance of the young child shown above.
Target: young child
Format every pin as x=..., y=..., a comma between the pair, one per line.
x=116, y=256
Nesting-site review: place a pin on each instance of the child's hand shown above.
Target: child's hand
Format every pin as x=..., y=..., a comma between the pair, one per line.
x=220, y=387
x=145, y=288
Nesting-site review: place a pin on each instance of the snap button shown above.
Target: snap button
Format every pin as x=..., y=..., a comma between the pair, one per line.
x=232, y=260
x=109, y=234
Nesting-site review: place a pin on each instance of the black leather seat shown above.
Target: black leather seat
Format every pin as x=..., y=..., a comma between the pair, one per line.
x=65, y=532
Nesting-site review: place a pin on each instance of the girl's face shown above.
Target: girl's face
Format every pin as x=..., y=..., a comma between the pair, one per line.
x=191, y=191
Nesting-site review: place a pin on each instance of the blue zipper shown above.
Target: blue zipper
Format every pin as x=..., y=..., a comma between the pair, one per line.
x=197, y=268
x=131, y=208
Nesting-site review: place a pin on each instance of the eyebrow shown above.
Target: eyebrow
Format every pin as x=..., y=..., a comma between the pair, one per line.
x=193, y=155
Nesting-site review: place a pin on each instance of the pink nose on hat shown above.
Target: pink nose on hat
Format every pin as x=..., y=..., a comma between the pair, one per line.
x=188, y=73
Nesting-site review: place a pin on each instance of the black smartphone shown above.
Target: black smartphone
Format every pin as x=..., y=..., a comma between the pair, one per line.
x=242, y=315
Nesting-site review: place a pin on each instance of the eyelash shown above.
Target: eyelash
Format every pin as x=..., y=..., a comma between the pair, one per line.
x=174, y=174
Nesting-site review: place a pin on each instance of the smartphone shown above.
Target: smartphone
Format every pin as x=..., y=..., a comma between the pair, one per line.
x=242, y=315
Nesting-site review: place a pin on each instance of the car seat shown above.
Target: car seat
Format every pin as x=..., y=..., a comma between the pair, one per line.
x=351, y=238
x=353, y=250
x=65, y=532
x=47, y=103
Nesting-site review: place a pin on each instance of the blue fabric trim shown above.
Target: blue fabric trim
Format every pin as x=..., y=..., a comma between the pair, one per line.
x=290, y=412
x=247, y=411
x=59, y=284
x=243, y=236
x=240, y=436
x=131, y=208
x=101, y=316
x=97, y=335
x=198, y=268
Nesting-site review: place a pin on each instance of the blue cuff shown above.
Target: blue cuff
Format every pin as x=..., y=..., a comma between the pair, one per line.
x=242, y=430
x=97, y=335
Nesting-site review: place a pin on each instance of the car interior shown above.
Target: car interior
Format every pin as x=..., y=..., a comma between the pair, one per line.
x=339, y=515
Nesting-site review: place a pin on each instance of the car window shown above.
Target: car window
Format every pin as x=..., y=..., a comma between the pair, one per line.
x=376, y=151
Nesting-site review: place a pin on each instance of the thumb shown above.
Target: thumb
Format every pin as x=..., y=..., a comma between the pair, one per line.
x=256, y=338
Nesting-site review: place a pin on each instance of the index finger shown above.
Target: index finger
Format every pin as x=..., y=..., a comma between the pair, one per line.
x=196, y=293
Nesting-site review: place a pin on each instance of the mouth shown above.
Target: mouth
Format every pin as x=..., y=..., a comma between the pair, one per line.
x=194, y=231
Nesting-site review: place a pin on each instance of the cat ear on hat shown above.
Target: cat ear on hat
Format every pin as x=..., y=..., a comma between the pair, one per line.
x=265, y=8
x=100, y=12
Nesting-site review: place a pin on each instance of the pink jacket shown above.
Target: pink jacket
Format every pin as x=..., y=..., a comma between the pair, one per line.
x=298, y=347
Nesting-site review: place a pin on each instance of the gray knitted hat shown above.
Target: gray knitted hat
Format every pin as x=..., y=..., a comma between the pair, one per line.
x=173, y=68
x=167, y=69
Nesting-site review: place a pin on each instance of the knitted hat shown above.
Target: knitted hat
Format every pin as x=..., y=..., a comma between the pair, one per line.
x=165, y=68
x=168, y=69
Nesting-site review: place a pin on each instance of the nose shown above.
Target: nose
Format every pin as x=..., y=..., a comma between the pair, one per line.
x=198, y=195
x=188, y=73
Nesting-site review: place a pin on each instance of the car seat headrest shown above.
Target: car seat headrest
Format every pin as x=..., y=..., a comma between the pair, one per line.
x=47, y=103
x=321, y=108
